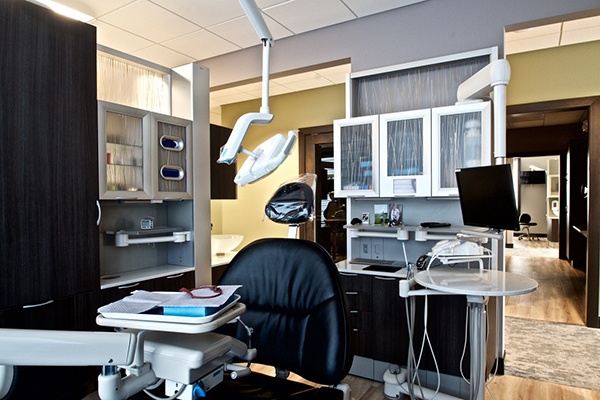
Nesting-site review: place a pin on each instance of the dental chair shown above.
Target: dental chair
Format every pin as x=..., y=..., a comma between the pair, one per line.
x=298, y=318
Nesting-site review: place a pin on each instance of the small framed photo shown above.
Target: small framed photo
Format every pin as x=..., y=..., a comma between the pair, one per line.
x=381, y=213
x=395, y=214
x=365, y=218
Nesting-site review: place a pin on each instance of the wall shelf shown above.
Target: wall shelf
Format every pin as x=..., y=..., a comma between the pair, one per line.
x=124, y=238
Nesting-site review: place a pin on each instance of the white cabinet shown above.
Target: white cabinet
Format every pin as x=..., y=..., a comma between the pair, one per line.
x=143, y=155
x=356, y=156
x=461, y=138
x=405, y=154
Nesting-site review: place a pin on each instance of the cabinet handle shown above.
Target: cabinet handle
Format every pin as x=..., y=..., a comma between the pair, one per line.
x=39, y=305
x=354, y=330
x=353, y=311
x=352, y=293
x=382, y=278
x=128, y=286
x=347, y=274
x=126, y=198
x=175, y=276
x=99, y=212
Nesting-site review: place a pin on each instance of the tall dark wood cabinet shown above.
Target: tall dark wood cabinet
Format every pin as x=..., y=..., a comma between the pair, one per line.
x=49, y=254
x=48, y=156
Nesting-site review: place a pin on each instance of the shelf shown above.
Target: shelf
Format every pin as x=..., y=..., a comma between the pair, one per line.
x=143, y=274
x=124, y=238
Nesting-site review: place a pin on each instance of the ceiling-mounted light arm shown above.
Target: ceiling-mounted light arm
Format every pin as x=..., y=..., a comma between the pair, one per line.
x=234, y=143
x=490, y=80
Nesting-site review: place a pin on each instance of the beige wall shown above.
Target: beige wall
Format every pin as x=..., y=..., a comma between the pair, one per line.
x=564, y=72
x=291, y=111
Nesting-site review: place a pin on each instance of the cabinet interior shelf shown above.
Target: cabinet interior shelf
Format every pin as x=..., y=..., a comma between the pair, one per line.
x=124, y=238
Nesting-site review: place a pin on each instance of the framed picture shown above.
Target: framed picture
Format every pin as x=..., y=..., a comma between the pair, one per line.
x=395, y=214
x=381, y=213
x=365, y=218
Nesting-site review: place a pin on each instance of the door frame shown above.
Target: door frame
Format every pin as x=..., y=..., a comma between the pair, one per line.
x=308, y=139
x=593, y=229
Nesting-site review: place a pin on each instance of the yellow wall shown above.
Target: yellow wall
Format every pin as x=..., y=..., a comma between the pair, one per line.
x=564, y=72
x=292, y=111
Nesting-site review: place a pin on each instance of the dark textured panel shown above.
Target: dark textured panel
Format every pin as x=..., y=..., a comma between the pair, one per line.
x=48, y=155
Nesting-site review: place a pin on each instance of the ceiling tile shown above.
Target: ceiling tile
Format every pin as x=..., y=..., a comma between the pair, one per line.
x=95, y=8
x=204, y=13
x=335, y=74
x=148, y=20
x=305, y=15
x=363, y=8
x=115, y=38
x=241, y=32
x=201, y=45
x=163, y=56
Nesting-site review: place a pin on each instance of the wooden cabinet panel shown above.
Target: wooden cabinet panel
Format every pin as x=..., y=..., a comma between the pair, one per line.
x=358, y=289
x=48, y=156
x=389, y=322
x=221, y=175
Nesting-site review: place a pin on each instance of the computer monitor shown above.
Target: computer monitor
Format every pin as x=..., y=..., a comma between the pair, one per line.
x=487, y=197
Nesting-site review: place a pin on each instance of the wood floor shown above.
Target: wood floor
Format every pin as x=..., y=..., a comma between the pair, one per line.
x=559, y=298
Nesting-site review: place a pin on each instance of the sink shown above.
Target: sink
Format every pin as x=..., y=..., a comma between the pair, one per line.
x=221, y=244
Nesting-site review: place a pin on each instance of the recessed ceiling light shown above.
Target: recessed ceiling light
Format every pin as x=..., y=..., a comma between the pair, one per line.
x=63, y=10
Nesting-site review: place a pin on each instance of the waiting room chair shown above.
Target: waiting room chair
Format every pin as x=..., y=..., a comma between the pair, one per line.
x=525, y=223
x=300, y=319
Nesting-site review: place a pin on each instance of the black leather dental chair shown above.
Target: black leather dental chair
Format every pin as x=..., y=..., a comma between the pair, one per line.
x=300, y=319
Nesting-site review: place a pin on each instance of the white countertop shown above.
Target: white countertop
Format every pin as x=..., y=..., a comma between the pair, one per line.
x=475, y=282
x=217, y=260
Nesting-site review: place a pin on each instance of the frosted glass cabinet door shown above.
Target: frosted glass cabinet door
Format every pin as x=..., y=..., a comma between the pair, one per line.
x=123, y=151
x=461, y=138
x=405, y=154
x=356, y=158
x=172, y=141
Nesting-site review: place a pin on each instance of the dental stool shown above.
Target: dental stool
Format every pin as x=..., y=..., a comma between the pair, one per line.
x=300, y=321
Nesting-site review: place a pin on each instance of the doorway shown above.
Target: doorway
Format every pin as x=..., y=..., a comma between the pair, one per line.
x=316, y=156
x=572, y=132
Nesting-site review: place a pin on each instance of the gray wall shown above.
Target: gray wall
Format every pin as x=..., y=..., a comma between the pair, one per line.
x=429, y=29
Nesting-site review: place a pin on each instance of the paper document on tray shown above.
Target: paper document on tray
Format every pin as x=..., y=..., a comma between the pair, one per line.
x=141, y=301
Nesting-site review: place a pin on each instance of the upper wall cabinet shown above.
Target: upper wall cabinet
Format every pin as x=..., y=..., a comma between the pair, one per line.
x=123, y=148
x=172, y=140
x=143, y=155
x=356, y=158
x=461, y=138
x=405, y=153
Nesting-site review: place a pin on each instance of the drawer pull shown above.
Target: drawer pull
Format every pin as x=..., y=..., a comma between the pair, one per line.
x=347, y=274
x=39, y=305
x=382, y=278
x=352, y=293
x=129, y=286
x=354, y=330
x=353, y=311
x=175, y=276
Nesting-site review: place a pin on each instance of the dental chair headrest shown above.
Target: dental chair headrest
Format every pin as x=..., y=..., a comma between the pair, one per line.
x=292, y=203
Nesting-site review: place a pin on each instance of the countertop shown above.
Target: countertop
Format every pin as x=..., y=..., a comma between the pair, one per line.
x=352, y=268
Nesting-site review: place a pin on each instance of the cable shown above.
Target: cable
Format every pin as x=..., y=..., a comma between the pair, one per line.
x=462, y=357
x=174, y=396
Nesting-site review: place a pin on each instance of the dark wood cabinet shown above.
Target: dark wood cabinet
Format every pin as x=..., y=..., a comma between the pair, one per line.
x=381, y=329
x=359, y=291
x=389, y=322
x=222, y=186
x=48, y=156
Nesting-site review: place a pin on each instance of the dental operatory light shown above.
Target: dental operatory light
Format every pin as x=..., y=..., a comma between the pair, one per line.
x=270, y=154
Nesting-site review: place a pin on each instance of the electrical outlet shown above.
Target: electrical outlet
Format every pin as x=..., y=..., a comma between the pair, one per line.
x=365, y=248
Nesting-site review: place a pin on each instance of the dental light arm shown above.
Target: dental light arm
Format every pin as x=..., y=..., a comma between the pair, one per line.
x=234, y=143
x=493, y=78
